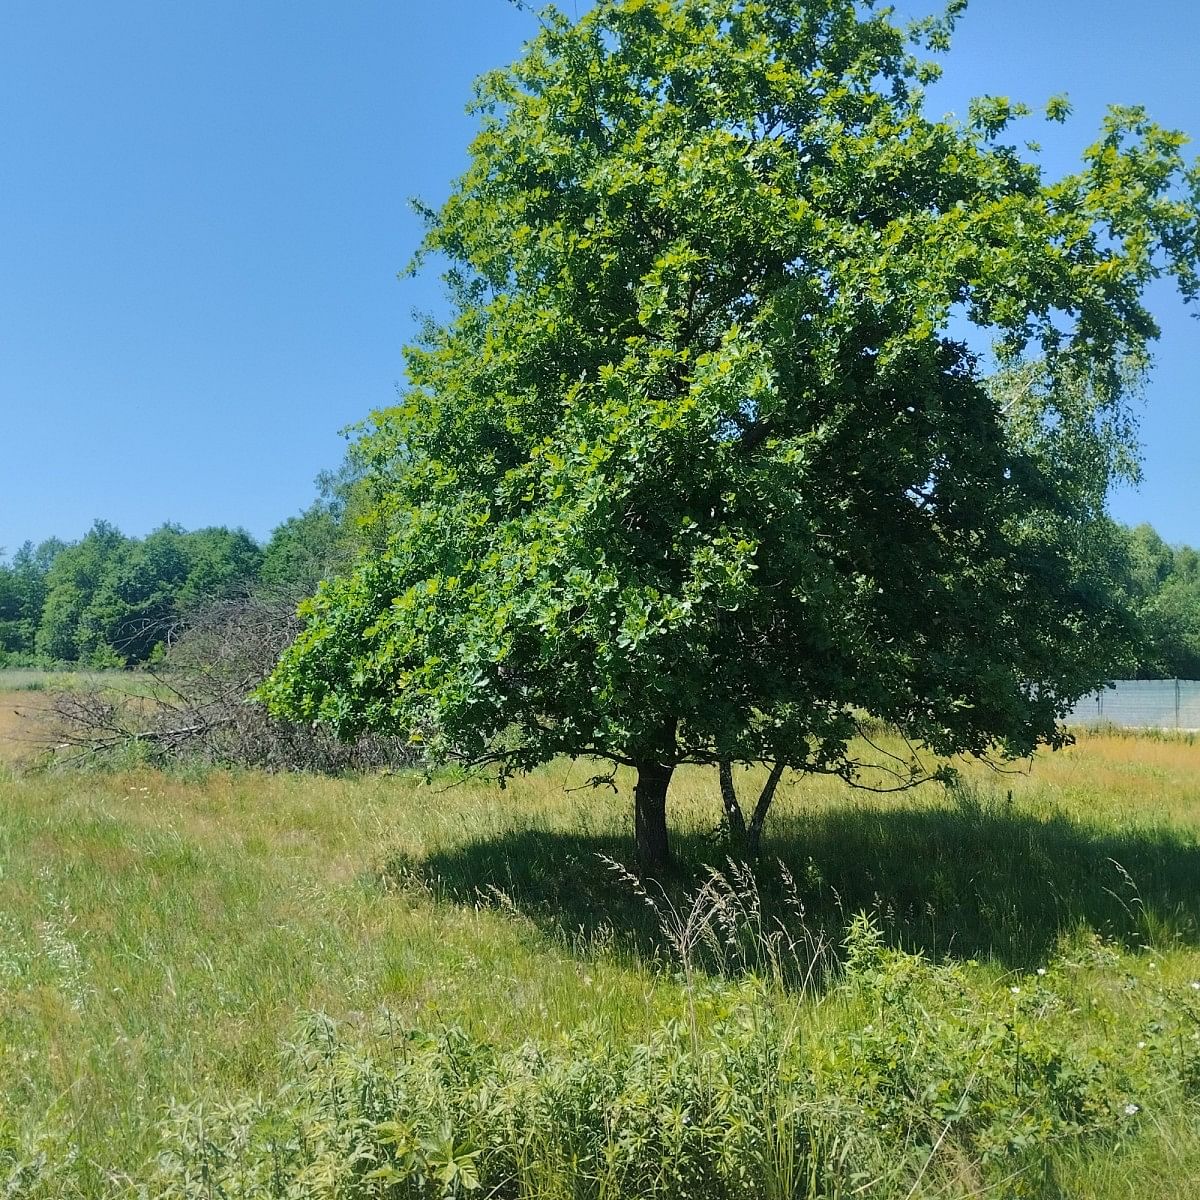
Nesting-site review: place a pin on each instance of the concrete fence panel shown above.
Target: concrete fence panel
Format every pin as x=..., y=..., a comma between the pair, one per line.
x=1141, y=704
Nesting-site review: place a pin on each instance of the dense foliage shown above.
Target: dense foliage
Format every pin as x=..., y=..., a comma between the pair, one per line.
x=23, y=596
x=706, y=461
x=109, y=600
x=1157, y=583
x=1164, y=595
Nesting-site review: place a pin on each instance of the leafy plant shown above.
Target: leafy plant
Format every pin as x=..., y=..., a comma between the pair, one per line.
x=926, y=1084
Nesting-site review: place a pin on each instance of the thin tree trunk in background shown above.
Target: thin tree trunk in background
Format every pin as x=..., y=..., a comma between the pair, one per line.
x=734, y=819
x=650, y=815
x=757, y=820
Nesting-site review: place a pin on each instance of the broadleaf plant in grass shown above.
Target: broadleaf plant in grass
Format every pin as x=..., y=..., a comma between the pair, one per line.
x=707, y=462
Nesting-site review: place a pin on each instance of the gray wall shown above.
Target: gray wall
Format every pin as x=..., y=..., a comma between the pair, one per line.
x=1142, y=704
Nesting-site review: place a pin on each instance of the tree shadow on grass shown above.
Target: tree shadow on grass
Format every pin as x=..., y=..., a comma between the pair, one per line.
x=972, y=879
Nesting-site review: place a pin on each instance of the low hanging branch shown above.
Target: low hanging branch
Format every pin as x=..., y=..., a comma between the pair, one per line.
x=903, y=775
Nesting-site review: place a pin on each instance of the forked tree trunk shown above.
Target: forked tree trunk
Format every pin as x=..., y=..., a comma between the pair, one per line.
x=650, y=815
x=759, y=816
x=734, y=819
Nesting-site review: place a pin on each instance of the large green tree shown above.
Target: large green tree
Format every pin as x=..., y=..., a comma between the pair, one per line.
x=154, y=582
x=66, y=632
x=706, y=461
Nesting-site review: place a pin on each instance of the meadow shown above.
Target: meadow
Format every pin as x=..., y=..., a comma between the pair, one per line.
x=233, y=984
x=37, y=679
x=27, y=700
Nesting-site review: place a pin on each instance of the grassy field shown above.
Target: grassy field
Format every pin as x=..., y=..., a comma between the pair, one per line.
x=165, y=939
x=26, y=705
x=37, y=679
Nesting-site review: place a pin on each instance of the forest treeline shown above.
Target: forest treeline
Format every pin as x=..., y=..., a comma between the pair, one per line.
x=108, y=600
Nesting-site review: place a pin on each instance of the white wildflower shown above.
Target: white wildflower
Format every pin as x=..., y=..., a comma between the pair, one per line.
x=1132, y=1109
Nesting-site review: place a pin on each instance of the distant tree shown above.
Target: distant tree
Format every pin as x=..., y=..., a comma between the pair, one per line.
x=220, y=563
x=112, y=600
x=22, y=596
x=131, y=608
x=77, y=573
x=10, y=633
x=305, y=550
x=702, y=466
x=348, y=518
x=1163, y=588
x=1151, y=560
x=1175, y=616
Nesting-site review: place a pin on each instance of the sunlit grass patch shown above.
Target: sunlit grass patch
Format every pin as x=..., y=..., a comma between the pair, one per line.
x=164, y=933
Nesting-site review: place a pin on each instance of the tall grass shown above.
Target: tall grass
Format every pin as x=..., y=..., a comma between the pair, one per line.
x=38, y=679
x=923, y=1083
x=163, y=937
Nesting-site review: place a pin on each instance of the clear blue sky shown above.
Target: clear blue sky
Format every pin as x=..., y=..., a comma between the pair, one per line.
x=203, y=213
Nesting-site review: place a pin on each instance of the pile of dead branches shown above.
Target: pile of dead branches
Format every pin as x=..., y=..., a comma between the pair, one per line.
x=197, y=703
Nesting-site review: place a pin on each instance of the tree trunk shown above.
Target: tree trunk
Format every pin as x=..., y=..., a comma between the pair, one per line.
x=754, y=832
x=650, y=815
x=734, y=820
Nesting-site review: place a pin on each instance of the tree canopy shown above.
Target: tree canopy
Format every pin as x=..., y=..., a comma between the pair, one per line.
x=711, y=457
x=23, y=596
x=110, y=600
x=1164, y=598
